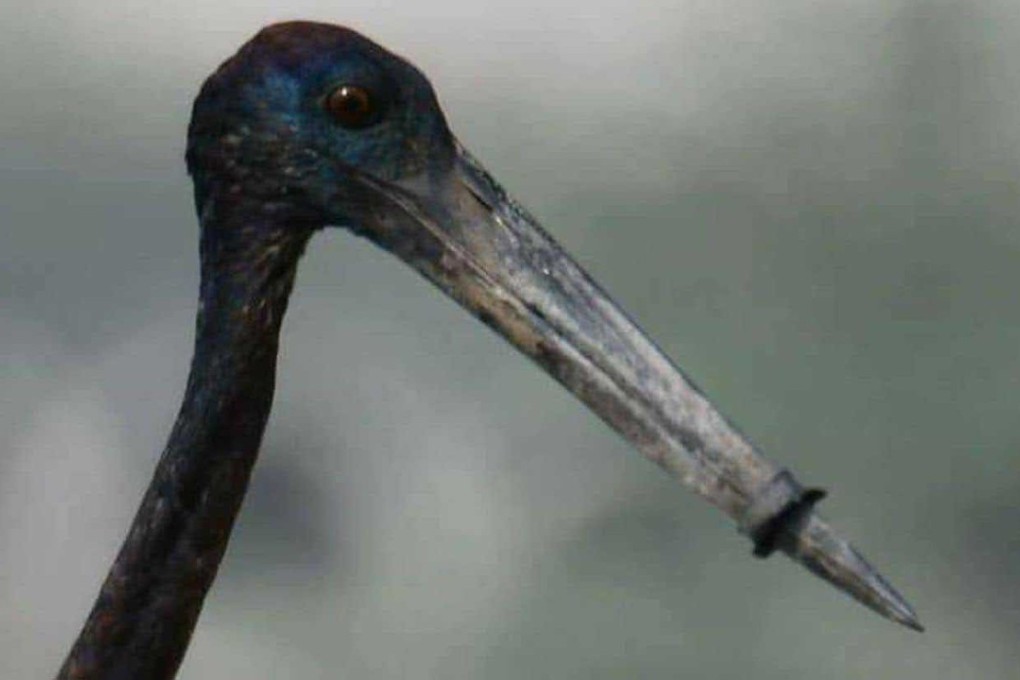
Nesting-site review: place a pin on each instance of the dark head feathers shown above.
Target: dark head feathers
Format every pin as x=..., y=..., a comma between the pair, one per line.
x=260, y=128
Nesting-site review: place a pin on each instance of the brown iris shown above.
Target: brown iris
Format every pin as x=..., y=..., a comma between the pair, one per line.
x=352, y=106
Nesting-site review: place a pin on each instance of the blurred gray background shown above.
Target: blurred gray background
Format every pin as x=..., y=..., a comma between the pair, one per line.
x=812, y=206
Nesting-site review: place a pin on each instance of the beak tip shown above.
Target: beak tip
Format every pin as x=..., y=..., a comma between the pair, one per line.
x=885, y=600
x=913, y=624
x=823, y=552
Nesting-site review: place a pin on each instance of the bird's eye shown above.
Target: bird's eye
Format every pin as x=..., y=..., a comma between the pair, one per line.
x=352, y=107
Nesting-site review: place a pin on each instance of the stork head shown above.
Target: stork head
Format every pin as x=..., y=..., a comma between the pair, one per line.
x=313, y=125
x=301, y=111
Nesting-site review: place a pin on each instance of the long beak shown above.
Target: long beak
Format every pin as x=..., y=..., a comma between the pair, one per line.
x=463, y=233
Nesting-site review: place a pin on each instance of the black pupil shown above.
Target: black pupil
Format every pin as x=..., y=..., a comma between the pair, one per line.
x=351, y=106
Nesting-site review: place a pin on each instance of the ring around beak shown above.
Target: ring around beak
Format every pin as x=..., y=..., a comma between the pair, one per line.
x=468, y=237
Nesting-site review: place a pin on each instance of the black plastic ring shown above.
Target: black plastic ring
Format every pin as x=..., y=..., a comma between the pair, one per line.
x=777, y=510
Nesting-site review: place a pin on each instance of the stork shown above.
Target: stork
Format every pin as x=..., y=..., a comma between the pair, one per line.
x=311, y=126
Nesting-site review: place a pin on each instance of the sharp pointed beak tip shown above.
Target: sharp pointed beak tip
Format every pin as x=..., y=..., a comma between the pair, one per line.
x=818, y=548
x=890, y=604
x=883, y=598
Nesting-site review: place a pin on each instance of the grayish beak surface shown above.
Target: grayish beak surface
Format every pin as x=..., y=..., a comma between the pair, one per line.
x=463, y=233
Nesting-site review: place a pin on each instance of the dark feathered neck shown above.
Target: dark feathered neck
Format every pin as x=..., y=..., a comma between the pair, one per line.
x=143, y=618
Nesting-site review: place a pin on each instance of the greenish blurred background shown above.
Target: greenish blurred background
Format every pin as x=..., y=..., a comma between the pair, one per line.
x=812, y=206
